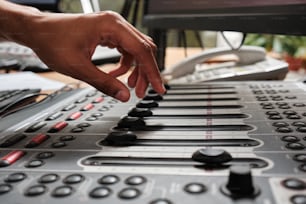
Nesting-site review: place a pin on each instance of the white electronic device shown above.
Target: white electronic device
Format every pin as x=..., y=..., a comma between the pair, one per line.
x=252, y=64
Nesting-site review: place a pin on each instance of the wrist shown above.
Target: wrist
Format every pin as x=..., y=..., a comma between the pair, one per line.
x=16, y=22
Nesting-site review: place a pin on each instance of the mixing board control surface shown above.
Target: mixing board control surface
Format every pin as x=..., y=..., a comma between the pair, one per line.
x=219, y=142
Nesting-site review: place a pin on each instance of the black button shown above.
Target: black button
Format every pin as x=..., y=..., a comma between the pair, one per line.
x=77, y=129
x=302, y=167
x=13, y=140
x=284, y=129
x=300, y=157
x=280, y=124
x=295, y=146
x=135, y=180
x=129, y=193
x=284, y=107
x=109, y=179
x=97, y=115
x=48, y=178
x=272, y=113
x=67, y=138
x=301, y=129
x=161, y=201
x=5, y=188
x=275, y=117
x=299, y=124
x=58, y=144
x=83, y=125
x=298, y=199
x=195, y=188
x=299, y=104
x=62, y=191
x=91, y=118
x=290, y=138
x=100, y=192
x=35, y=190
x=295, y=184
x=34, y=163
x=73, y=179
x=45, y=155
x=289, y=112
x=294, y=117
x=15, y=177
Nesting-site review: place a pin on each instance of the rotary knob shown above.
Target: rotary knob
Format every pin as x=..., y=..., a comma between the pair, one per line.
x=240, y=183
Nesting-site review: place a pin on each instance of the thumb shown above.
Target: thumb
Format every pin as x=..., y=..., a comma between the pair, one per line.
x=101, y=81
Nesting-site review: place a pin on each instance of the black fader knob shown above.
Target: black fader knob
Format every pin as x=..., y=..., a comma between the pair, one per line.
x=131, y=122
x=140, y=112
x=120, y=138
x=240, y=183
x=147, y=104
x=211, y=156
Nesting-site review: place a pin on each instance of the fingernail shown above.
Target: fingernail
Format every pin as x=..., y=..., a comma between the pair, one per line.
x=122, y=96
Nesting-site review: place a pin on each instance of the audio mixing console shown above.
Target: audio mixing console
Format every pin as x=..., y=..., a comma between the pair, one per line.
x=216, y=142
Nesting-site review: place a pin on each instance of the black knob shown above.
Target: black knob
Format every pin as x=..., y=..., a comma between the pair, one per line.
x=212, y=156
x=131, y=122
x=155, y=97
x=119, y=138
x=140, y=112
x=240, y=183
x=147, y=104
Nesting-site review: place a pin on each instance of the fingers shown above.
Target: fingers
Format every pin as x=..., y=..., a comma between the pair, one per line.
x=143, y=50
x=98, y=79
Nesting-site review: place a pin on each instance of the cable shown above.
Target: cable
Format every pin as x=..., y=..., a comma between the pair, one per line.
x=230, y=44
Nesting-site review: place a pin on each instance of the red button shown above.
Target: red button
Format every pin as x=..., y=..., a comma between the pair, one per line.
x=98, y=100
x=74, y=116
x=11, y=158
x=58, y=127
x=37, y=140
x=87, y=107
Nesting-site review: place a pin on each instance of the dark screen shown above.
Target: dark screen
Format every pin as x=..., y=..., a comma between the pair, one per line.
x=260, y=16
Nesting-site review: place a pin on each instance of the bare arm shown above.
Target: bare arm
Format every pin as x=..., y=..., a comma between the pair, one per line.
x=66, y=42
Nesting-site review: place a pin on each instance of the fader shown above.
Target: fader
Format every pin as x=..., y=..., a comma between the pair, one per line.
x=217, y=142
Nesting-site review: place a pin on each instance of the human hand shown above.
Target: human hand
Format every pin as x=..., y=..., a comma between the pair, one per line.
x=66, y=42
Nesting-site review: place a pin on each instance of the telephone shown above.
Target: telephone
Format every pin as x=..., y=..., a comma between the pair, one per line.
x=252, y=64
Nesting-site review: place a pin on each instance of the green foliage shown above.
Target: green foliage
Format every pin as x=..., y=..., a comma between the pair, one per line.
x=291, y=45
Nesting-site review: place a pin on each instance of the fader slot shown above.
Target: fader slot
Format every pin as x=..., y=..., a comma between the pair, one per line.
x=191, y=97
x=188, y=113
x=208, y=104
x=135, y=162
x=133, y=123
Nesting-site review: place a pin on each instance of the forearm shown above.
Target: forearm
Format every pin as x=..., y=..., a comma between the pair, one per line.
x=15, y=21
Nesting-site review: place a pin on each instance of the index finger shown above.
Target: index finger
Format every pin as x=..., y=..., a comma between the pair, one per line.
x=143, y=52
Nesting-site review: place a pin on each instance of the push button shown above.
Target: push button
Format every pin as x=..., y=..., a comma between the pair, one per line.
x=15, y=177
x=129, y=193
x=48, y=178
x=5, y=188
x=100, y=192
x=195, y=188
x=35, y=190
x=73, y=179
x=135, y=180
x=62, y=191
x=109, y=179
x=11, y=158
x=293, y=183
x=13, y=140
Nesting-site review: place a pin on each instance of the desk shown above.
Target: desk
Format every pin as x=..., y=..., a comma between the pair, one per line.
x=173, y=56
